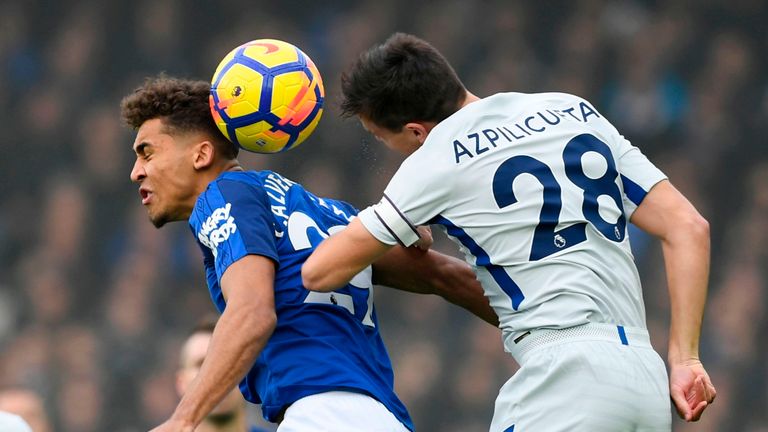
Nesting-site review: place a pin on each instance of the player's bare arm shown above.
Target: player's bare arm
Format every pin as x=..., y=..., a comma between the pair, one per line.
x=240, y=335
x=340, y=257
x=431, y=272
x=684, y=234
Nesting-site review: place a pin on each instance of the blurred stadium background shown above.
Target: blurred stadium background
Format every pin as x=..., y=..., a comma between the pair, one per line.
x=94, y=301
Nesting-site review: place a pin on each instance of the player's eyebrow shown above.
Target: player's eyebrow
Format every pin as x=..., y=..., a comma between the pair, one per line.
x=140, y=148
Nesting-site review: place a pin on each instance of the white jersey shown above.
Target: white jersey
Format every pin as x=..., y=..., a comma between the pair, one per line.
x=537, y=189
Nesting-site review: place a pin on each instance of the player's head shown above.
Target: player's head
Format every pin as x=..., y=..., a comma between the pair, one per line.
x=27, y=405
x=193, y=353
x=178, y=147
x=400, y=90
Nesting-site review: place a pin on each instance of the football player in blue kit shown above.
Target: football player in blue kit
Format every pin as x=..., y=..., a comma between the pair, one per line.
x=537, y=189
x=314, y=361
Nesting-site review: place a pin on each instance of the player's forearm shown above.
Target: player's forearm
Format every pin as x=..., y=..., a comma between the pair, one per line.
x=240, y=335
x=431, y=272
x=324, y=274
x=406, y=269
x=686, y=256
x=469, y=295
x=455, y=281
x=321, y=272
x=340, y=257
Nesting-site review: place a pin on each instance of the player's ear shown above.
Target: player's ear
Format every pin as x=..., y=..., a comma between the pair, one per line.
x=203, y=155
x=419, y=130
x=182, y=380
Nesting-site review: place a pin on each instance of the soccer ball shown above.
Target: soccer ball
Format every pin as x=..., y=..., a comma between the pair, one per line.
x=266, y=96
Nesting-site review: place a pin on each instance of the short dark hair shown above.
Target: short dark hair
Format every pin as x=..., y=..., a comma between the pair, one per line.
x=182, y=105
x=403, y=80
x=206, y=324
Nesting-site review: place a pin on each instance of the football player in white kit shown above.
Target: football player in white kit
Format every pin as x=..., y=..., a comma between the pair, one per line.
x=537, y=189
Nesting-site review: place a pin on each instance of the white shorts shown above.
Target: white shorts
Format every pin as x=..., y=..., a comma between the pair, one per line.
x=339, y=411
x=594, y=377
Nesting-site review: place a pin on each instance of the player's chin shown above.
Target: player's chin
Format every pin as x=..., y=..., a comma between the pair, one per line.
x=158, y=220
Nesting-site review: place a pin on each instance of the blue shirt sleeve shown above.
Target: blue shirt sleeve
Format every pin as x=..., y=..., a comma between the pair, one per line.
x=235, y=220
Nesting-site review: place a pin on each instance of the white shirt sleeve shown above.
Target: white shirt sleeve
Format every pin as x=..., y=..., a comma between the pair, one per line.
x=638, y=175
x=13, y=423
x=418, y=192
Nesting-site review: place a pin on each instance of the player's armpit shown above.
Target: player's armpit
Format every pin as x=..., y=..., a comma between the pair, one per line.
x=340, y=257
x=430, y=272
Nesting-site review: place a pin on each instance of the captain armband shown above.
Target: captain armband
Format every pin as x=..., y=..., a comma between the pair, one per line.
x=395, y=222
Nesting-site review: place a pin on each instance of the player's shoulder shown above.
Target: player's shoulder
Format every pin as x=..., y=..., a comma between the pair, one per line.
x=528, y=99
x=471, y=117
x=242, y=178
x=506, y=103
x=541, y=97
x=230, y=187
x=247, y=180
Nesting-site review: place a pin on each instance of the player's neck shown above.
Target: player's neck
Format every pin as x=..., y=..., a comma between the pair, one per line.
x=205, y=177
x=215, y=171
x=468, y=99
x=233, y=165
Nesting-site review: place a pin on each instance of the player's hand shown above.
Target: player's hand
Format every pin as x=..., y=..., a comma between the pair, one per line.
x=425, y=238
x=691, y=389
x=172, y=425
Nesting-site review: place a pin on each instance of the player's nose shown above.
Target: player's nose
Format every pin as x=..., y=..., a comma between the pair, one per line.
x=137, y=173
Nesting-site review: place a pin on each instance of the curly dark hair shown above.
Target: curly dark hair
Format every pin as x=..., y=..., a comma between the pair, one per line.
x=405, y=79
x=182, y=105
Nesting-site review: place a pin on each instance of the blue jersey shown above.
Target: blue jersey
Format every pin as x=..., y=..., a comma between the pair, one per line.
x=322, y=341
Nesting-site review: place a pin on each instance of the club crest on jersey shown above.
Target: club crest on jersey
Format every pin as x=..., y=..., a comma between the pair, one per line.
x=559, y=241
x=213, y=232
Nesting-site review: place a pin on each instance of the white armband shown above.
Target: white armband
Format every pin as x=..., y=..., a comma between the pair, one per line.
x=395, y=222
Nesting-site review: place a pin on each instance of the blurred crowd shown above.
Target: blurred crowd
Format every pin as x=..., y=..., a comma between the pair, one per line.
x=95, y=302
